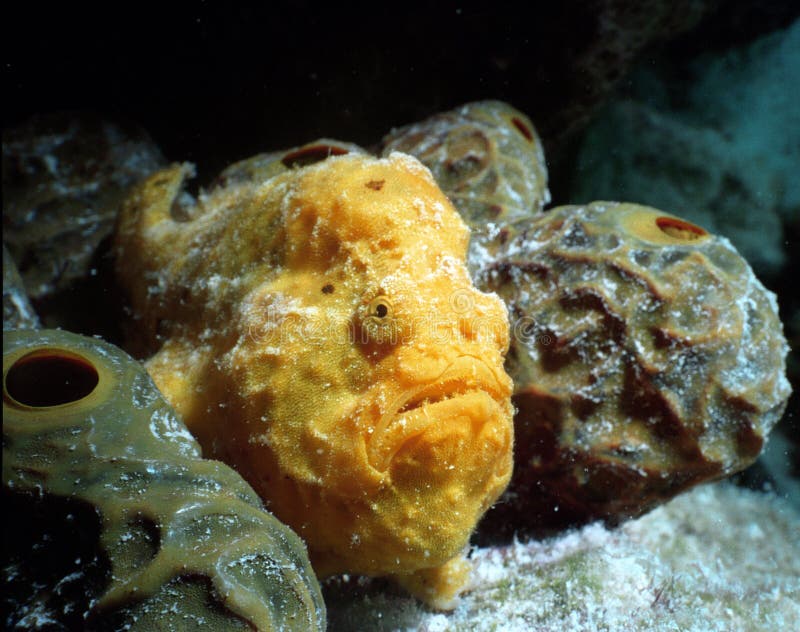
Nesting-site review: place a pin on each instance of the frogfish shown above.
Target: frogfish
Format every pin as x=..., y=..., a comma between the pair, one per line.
x=318, y=330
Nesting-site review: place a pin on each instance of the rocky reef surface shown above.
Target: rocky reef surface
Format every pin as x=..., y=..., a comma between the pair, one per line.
x=17, y=310
x=717, y=558
x=64, y=176
x=720, y=146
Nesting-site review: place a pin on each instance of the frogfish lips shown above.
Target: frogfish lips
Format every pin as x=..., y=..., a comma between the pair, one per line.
x=462, y=411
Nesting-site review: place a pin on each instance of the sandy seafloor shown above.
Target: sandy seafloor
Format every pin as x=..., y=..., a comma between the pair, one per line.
x=719, y=557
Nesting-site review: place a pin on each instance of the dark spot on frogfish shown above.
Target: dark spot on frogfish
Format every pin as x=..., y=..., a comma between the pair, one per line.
x=327, y=288
x=375, y=185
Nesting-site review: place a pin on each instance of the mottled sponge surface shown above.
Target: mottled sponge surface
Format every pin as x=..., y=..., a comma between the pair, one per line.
x=646, y=358
x=118, y=523
x=319, y=331
x=487, y=157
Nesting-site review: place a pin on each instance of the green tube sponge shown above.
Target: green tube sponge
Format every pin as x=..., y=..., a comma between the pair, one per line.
x=118, y=521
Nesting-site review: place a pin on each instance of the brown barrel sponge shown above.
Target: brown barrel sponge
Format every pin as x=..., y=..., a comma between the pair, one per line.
x=646, y=358
x=488, y=159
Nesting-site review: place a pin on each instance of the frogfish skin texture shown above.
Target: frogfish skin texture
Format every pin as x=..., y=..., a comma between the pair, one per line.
x=320, y=332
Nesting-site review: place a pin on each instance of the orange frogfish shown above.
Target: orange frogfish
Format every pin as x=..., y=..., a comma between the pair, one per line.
x=318, y=330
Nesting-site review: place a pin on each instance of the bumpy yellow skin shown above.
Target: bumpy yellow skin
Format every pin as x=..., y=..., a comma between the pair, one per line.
x=320, y=332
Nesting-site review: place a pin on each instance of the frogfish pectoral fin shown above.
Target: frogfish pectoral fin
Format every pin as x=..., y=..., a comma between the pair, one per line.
x=438, y=587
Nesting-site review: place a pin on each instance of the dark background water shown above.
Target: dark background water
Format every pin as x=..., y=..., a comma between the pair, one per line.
x=215, y=82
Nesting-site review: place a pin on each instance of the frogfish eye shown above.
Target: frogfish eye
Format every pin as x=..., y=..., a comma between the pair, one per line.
x=377, y=323
x=380, y=308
